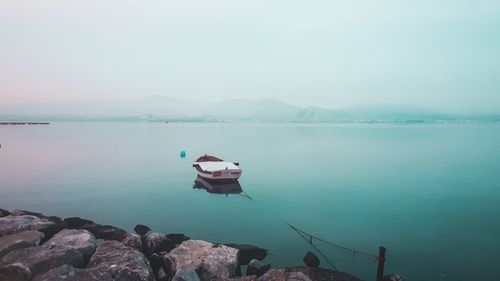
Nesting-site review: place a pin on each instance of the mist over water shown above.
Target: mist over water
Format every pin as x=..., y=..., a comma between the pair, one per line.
x=429, y=193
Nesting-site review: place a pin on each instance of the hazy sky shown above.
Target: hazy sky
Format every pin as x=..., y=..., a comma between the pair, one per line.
x=440, y=54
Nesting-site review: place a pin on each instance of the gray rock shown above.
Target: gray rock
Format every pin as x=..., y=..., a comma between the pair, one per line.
x=306, y=274
x=76, y=222
x=71, y=247
x=248, y=252
x=69, y=273
x=4, y=213
x=133, y=240
x=186, y=274
x=257, y=268
x=142, y=229
x=177, y=238
x=210, y=261
x=156, y=243
x=12, y=224
x=77, y=239
x=19, y=240
x=310, y=259
x=122, y=262
x=106, y=232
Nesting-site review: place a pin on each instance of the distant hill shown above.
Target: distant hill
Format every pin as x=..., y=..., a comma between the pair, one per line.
x=158, y=107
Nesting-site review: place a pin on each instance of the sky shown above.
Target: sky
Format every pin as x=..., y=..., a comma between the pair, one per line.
x=439, y=54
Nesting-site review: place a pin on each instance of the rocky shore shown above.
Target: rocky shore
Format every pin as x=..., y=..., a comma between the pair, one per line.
x=37, y=247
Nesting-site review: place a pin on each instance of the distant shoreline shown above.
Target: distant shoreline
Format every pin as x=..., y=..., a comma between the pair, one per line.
x=23, y=123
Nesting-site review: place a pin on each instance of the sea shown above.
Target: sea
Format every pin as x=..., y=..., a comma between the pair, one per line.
x=427, y=192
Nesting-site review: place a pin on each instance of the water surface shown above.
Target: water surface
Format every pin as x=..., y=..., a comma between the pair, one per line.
x=429, y=193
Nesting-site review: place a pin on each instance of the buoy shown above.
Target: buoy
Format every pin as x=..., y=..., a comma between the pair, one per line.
x=183, y=154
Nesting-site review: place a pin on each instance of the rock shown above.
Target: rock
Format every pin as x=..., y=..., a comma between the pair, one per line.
x=122, y=262
x=243, y=278
x=12, y=224
x=177, y=238
x=156, y=243
x=310, y=259
x=393, y=277
x=186, y=274
x=76, y=222
x=69, y=273
x=257, y=268
x=210, y=261
x=106, y=232
x=133, y=240
x=19, y=240
x=248, y=252
x=142, y=229
x=306, y=274
x=156, y=261
x=78, y=239
x=4, y=213
x=70, y=247
x=162, y=275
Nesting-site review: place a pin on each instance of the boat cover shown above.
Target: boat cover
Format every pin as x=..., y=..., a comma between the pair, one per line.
x=216, y=166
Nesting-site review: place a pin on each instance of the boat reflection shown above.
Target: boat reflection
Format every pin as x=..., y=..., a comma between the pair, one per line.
x=226, y=187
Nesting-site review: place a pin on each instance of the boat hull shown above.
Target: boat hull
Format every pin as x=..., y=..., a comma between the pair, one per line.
x=221, y=174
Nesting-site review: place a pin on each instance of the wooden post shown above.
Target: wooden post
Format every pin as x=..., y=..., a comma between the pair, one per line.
x=381, y=261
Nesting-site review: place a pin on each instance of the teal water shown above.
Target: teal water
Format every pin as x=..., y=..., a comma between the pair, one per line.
x=429, y=193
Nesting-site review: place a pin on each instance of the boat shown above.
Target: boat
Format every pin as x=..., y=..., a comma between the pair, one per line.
x=213, y=168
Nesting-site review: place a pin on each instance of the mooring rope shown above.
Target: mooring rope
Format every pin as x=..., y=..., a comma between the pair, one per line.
x=309, y=239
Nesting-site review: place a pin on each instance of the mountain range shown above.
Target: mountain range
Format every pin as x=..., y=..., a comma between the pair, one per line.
x=161, y=108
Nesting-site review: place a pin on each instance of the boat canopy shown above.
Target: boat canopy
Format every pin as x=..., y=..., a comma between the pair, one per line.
x=211, y=166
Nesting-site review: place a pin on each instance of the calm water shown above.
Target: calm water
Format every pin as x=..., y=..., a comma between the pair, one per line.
x=429, y=193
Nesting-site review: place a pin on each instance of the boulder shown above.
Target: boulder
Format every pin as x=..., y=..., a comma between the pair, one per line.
x=306, y=274
x=177, y=238
x=248, y=253
x=4, y=213
x=12, y=224
x=257, y=268
x=156, y=243
x=69, y=273
x=70, y=247
x=209, y=260
x=19, y=240
x=106, y=232
x=142, y=229
x=186, y=274
x=243, y=278
x=122, y=262
x=78, y=239
x=76, y=222
x=310, y=259
x=133, y=240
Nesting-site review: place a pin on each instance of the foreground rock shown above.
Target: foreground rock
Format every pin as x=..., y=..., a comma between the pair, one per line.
x=70, y=247
x=133, y=240
x=4, y=213
x=248, y=252
x=69, y=273
x=106, y=232
x=310, y=259
x=20, y=240
x=142, y=229
x=257, y=268
x=12, y=224
x=393, y=277
x=306, y=274
x=122, y=262
x=209, y=260
x=186, y=274
x=156, y=243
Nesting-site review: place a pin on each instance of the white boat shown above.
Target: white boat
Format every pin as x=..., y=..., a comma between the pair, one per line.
x=213, y=168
